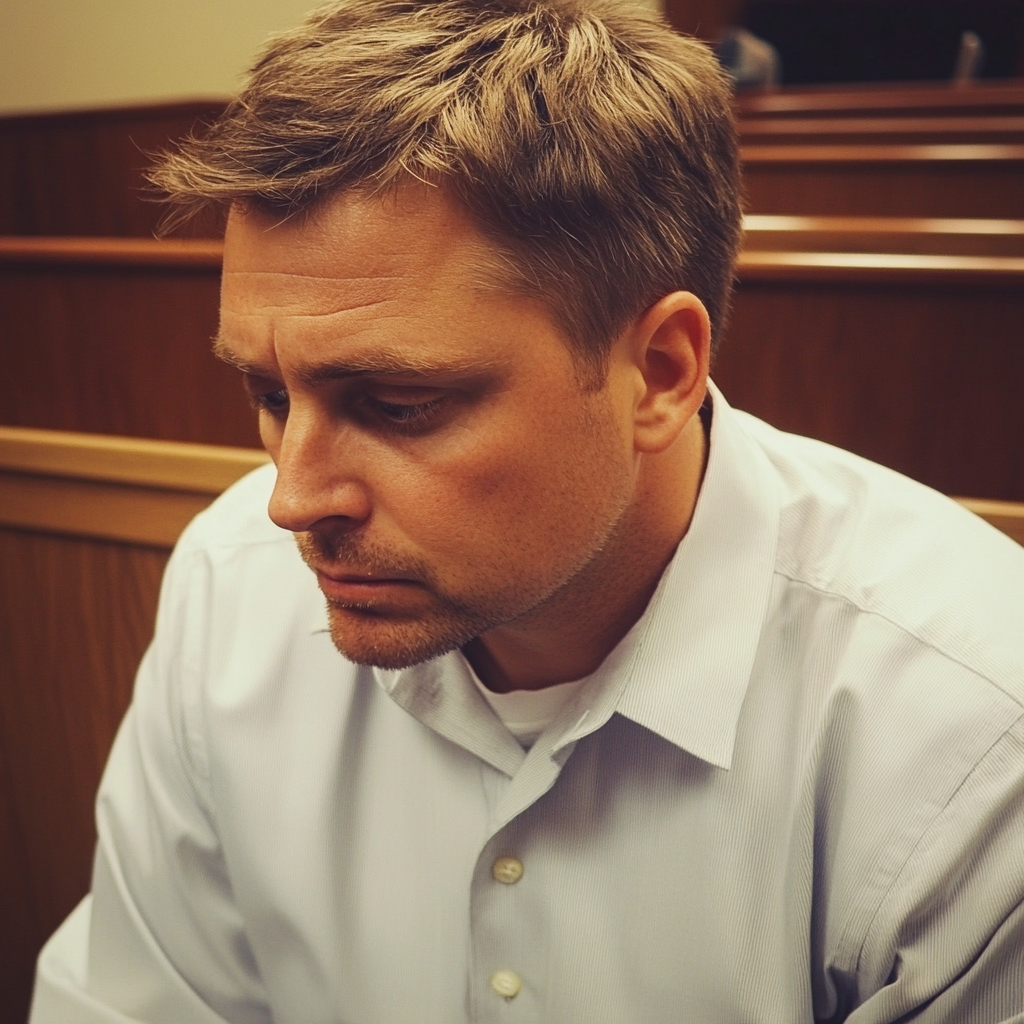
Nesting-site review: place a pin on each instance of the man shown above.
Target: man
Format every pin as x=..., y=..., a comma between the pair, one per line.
x=622, y=706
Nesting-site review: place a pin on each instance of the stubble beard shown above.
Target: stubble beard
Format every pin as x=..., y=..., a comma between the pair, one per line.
x=383, y=639
x=368, y=635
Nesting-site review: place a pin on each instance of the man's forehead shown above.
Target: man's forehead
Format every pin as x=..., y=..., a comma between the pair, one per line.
x=355, y=236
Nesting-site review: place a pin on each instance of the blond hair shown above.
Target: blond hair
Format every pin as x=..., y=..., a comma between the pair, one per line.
x=593, y=145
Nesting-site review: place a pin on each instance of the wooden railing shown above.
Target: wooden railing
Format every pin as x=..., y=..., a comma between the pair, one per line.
x=1003, y=99
x=881, y=130
x=947, y=180
x=86, y=526
x=113, y=488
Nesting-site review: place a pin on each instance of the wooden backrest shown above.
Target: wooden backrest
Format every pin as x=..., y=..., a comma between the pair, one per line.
x=948, y=180
x=881, y=130
x=86, y=526
x=114, y=336
x=914, y=361
x=911, y=235
x=81, y=172
x=938, y=99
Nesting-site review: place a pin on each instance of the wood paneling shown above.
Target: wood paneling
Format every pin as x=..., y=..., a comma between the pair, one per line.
x=927, y=377
x=881, y=130
x=939, y=99
x=75, y=617
x=895, y=181
x=97, y=342
x=81, y=173
x=115, y=488
x=904, y=235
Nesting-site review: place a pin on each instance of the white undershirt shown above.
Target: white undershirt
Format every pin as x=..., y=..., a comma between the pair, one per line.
x=527, y=713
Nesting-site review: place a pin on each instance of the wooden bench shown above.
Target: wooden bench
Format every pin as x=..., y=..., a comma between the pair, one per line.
x=938, y=99
x=922, y=235
x=818, y=131
x=815, y=294
x=977, y=181
x=113, y=336
x=86, y=526
x=915, y=361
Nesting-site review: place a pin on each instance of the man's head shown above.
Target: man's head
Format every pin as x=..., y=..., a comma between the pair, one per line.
x=593, y=146
x=466, y=269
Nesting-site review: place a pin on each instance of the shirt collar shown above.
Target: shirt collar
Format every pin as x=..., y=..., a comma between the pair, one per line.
x=695, y=646
x=682, y=671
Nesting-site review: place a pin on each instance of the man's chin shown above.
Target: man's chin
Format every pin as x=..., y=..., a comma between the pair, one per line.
x=391, y=642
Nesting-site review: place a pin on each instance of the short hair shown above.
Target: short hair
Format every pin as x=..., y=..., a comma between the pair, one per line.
x=593, y=145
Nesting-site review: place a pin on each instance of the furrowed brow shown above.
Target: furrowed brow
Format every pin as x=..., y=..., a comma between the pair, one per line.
x=386, y=365
x=381, y=364
x=225, y=354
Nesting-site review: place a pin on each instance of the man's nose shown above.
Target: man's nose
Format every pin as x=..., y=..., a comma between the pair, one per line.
x=317, y=477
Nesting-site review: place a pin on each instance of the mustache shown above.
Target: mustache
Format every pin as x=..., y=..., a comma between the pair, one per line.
x=353, y=555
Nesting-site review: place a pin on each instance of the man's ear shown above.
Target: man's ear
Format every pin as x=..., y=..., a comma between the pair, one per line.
x=672, y=350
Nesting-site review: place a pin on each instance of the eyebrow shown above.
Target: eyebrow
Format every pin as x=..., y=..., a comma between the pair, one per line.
x=381, y=364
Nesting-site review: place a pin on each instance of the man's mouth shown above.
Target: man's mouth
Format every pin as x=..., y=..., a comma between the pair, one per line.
x=361, y=588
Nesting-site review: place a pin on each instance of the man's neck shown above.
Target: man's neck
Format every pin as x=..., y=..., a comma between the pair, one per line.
x=570, y=634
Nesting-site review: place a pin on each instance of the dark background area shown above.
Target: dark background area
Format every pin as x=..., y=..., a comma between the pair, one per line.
x=886, y=40
x=832, y=41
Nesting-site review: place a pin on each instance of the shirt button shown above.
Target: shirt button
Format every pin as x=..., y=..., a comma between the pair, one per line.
x=506, y=983
x=507, y=870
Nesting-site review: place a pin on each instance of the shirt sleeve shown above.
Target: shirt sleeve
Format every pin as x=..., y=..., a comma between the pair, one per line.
x=160, y=938
x=947, y=945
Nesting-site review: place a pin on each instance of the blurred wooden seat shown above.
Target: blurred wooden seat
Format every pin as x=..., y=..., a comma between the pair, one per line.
x=932, y=99
x=924, y=235
x=977, y=181
x=86, y=526
x=777, y=131
x=914, y=361
x=112, y=335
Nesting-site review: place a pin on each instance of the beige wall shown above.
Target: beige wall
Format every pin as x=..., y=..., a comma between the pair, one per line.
x=56, y=54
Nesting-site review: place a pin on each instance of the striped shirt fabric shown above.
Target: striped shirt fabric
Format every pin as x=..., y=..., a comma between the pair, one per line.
x=793, y=793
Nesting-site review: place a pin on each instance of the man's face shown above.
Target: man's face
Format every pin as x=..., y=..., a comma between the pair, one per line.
x=440, y=464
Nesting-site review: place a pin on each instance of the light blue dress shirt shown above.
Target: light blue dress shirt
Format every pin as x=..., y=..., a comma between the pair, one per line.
x=793, y=793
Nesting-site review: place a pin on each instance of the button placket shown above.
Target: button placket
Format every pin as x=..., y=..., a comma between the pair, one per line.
x=505, y=952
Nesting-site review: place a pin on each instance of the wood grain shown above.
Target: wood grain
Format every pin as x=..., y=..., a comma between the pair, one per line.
x=75, y=617
x=927, y=379
x=119, y=350
x=81, y=172
x=896, y=181
x=922, y=99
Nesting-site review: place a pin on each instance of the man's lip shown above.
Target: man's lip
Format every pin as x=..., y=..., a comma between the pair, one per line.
x=359, y=588
x=360, y=577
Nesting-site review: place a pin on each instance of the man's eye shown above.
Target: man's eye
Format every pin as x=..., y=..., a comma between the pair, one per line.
x=403, y=415
x=274, y=402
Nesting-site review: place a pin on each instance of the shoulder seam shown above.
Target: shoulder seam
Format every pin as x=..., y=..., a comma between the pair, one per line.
x=933, y=645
